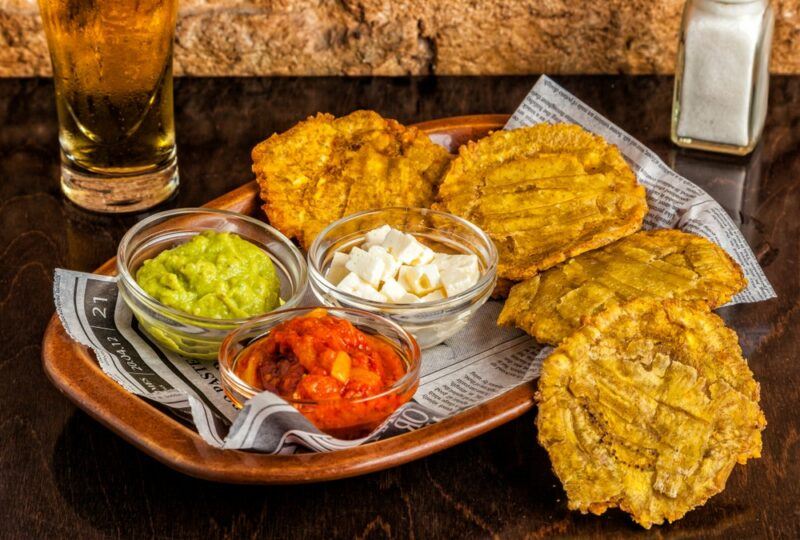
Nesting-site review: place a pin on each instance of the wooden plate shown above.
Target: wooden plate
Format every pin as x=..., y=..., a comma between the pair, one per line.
x=73, y=369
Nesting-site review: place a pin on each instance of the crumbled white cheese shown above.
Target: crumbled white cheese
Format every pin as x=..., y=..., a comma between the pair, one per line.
x=466, y=262
x=456, y=280
x=353, y=284
x=392, y=290
x=338, y=270
x=409, y=298
x=375, y=237
x=404, y=247
x=391, y=264
x=394, y=267
x=367, y=266
x=419, y=280
x=435, y=295
x=425, y=257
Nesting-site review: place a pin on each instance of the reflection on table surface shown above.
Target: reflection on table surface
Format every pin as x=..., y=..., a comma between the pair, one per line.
x=733, y=181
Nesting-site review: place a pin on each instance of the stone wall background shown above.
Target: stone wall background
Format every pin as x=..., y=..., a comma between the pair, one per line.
x=386, y=37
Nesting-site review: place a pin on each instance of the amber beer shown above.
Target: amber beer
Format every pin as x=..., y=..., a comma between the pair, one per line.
x=112, y=68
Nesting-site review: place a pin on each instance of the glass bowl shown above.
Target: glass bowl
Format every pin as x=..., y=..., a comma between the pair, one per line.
x=430, y=322
x=342, y=418
x=185, y=334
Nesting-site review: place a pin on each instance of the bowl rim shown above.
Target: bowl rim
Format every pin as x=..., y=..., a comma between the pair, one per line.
x=408, y=380
x=487, y=278
x=128, y=281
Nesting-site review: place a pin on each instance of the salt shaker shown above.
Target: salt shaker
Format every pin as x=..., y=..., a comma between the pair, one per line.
x=722, y=75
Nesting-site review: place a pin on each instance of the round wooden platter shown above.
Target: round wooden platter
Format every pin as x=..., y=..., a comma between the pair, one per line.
x=74, y=371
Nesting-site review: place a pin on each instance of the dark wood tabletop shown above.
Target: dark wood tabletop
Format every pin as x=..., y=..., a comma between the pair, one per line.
x=64, y=475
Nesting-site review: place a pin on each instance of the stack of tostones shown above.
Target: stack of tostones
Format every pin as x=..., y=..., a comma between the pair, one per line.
x=325, y=168
x=647, y=403
x=648, y=407
x=662, y=264
x=543, y=193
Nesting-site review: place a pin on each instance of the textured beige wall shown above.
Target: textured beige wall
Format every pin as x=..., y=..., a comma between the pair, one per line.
x=385, y=37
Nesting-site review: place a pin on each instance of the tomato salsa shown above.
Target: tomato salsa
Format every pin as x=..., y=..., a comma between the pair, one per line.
x=329, y=370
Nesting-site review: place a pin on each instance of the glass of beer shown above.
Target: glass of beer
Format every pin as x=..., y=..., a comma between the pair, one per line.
x=112, y=68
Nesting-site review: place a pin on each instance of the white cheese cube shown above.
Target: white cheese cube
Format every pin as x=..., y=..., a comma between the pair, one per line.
x=375, y=237
x=392, y=265
x=349, y=282
x=456, y=280
x=420, y=279
x=425, y=257
x=337, y=270
x=368, y=267
x=368, y=293
x=339, y=259
x=392, y=290
x=465, y=262
x=354, y=285
x=404, y=247
x=435, y=295
x=408, y=298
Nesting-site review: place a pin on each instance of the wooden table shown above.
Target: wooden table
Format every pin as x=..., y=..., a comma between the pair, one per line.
x=63, y=475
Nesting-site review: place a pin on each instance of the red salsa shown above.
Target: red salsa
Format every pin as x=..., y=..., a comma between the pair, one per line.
x=326, y=360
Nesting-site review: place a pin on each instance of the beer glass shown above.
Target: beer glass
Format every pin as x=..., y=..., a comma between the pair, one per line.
x=112, y=69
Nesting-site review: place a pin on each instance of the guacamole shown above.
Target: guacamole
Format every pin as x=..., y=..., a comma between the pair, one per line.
x=214, y=275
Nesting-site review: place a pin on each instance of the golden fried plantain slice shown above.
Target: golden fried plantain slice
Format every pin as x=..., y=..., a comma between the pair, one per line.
x=502, y=288
x=647, y=408
x=663, y=263
x=543, y=193
x=325, y=167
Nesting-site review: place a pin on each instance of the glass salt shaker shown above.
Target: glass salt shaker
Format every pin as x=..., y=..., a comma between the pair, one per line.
x=722, y=75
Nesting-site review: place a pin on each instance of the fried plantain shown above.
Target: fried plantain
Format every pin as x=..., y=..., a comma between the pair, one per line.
x=502, y=288
x=648, y=408
x=325, y=167
x=543, y=193
x=663, y=263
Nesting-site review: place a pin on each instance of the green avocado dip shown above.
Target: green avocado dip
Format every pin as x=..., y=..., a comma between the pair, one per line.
x=214, y=275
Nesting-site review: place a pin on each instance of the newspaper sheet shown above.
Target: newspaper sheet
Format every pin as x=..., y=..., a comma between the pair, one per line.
x=479, y=363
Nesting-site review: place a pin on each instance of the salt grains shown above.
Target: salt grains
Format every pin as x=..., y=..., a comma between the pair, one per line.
x=722, y=77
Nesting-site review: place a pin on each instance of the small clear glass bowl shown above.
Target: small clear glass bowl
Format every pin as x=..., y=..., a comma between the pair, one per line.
x=429, y=322
x=341, y=418
x=183, y=333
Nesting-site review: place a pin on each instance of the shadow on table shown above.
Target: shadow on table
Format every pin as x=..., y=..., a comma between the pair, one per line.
x=735, y=183
x=476, y=488
x=92, y=238
x=499, y=484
